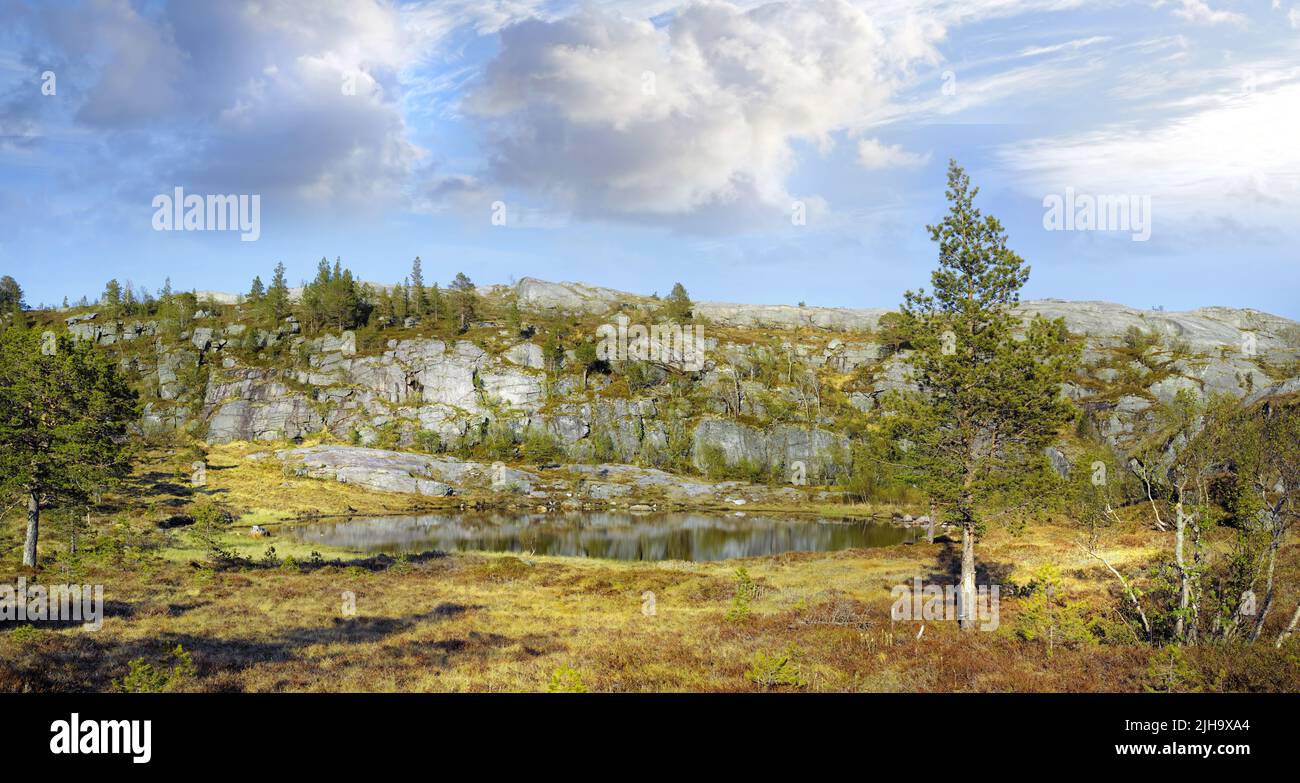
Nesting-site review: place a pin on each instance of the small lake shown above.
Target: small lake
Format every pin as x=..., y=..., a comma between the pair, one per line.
x=616, y=536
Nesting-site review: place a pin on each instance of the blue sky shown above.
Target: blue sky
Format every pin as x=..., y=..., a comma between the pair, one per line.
x=638, y=143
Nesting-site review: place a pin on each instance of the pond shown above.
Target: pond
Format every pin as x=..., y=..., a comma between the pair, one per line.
x=612, y=535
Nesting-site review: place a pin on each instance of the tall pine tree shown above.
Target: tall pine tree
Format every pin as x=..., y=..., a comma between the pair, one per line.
x=276, y=304
x=989, y=399
x=417, y=287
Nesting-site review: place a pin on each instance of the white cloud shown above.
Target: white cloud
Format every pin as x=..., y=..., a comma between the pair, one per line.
x=874, y=155
x=242, y=97
x=1200, y=12
x=1293, y=16
x=1233, y=163
x=1078, y=43
x=610, y=116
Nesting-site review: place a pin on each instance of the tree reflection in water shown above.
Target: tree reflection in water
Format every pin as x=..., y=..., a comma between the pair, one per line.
x=617, y=536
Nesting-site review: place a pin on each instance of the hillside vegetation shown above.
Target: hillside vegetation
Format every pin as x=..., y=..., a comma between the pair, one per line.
x=1132, y=478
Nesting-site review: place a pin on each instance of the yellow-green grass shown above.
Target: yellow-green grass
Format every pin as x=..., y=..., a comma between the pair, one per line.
x=478, y=621
x=489, y=622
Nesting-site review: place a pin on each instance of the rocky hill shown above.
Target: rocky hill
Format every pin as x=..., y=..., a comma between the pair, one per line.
x=779, y=384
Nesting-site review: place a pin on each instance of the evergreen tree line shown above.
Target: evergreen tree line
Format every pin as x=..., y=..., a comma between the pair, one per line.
x=333, y=300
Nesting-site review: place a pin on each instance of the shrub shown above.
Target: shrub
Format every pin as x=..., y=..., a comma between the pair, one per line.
x=745, y=591
x=145, y=677
x=209, y=523
x=1048, y=615
x=541, y=445
x=713, y=461
x=566, y=679
x=778, y=670
x=429, y=442
x=603, y=447
x=1170, y=672
x=24, y=635
x=499, y=442
x=387, y=436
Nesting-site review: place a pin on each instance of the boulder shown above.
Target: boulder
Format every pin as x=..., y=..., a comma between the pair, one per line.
x=527, y=355
x=396, y=471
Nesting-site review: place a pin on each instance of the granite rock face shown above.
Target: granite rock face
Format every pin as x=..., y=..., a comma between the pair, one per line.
x=537, y=294
x=210, y=379
x=417, y=474
x=611, y=481
x=398, y=471
x=426, y=384
x=780, y=446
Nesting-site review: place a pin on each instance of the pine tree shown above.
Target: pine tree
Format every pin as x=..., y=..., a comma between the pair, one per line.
x=988, y=402
x=435, y=303
x=385, y=307
x=257, y=292
x=11, y=295
x=333, y=299
x=111, y=299
x=417, y=288
x=401, y=302
x=464, y=301
x=677, y=307
x=63, y=424
x=276, y=304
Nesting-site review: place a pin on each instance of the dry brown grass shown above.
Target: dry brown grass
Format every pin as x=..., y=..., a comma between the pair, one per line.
x=470, y=622
x=480, y=622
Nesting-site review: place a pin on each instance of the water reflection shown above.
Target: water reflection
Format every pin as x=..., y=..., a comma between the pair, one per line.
x=617, y=536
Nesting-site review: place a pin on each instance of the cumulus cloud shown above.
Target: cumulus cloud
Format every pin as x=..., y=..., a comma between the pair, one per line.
x=239, y=97
x=608, y=116
x=873, y=154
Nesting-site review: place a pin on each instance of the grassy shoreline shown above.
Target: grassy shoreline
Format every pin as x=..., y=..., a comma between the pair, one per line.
x=505, y=622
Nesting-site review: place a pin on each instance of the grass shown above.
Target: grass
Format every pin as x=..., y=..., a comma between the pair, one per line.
x=501, y=622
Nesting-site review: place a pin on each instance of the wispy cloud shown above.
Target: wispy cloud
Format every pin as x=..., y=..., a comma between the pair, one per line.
x=872, y=154
x=1231, y=163
x=1200, y=12
x=1078, y=43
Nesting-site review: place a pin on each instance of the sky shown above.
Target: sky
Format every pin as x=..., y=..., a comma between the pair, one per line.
x=762, y=152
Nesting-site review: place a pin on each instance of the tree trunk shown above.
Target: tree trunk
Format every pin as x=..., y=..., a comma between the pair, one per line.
x=1267, y=605
x=967, y=608
x=1193, y=627
x=929, y=529
x=1290, y=628
x=33, y=529
x=1128, y=590
x=1183, y=586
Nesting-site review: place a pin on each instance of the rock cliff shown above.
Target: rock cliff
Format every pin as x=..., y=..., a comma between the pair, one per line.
x=779, y=387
